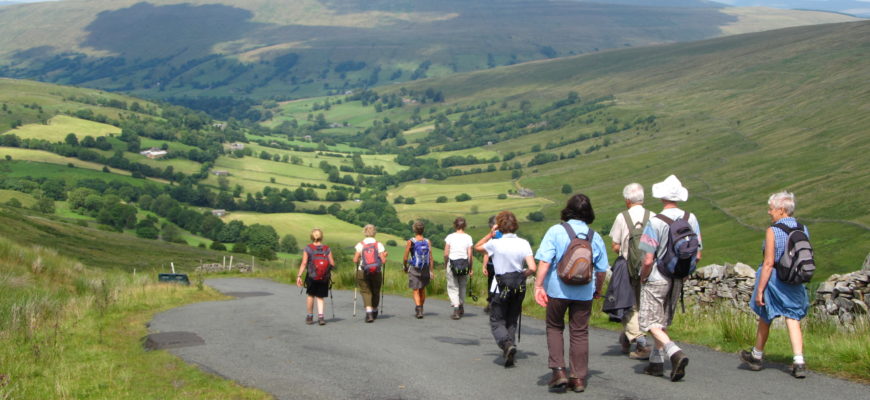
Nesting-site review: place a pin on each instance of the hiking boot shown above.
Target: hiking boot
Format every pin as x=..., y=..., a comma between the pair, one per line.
x=576, y=384
x=559, y=382
x=375, y=314
x=753, y=363
x=419, y=312
x=456, y=313
x=309, y=319
x=641, y=352
x=370, y=317
x=462, y=310
x=510, y=353
x=799, y=370
x=321, y=321
x=655, y=369
x=678, y=366
x=624, y=343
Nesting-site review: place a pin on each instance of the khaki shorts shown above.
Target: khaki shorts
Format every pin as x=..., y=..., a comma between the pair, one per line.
x=657, y=304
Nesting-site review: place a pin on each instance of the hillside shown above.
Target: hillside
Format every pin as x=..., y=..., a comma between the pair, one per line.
x=737, y=118
x=285, y=50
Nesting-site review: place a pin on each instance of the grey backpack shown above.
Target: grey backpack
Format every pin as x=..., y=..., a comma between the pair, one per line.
x=796, y=266
x=635, y=254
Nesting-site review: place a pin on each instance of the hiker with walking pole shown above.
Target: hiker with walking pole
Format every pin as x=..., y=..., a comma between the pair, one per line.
x=370, y=258
x=458, y=262
x=572, y=265
x=419, y=266
x=508, y=255
x=317, y=263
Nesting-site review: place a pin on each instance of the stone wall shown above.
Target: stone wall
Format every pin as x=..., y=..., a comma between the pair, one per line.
x=845, y=297
x=714, y=284
x=217, y=267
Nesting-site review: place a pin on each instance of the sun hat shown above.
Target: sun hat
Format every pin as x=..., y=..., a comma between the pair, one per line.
x=670, y=189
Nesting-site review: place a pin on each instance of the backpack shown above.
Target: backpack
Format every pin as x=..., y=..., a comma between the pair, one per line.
x=681, y=256
x=318, y=262
x=635, y=254
x=419, y=253
x=370, y=261
x=796, y=266
x=575, y=267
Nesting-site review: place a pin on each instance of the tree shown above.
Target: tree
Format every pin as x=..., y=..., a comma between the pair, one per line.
x=72, y=140
x=240, y=247
x=170, y=233
x=217, y=246
x=566, y=189
x=44, y=205
x=289, y=244
x=441, y=199
x=231, y=232
x=147, y=228
x=261, y=240
x=463, y=197
x=535, y=216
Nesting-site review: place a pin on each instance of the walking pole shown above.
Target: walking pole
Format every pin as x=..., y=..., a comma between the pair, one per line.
x=383, y=280
x=354, y=302
x=331, y=299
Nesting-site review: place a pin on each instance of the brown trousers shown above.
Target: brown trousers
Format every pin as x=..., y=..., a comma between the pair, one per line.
x=369, y=287
x=578, y=329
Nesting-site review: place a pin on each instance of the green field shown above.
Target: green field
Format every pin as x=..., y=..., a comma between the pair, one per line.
x=60, y=126
x=25, y=199
x=253, y=174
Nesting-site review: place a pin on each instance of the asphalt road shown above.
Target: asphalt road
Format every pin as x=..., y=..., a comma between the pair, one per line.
x=260, y=340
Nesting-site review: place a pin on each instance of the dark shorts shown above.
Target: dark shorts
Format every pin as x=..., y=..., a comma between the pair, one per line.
x=317, y=288
x=418, y=278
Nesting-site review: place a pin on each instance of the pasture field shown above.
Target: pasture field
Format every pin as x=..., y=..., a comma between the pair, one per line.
x=25, y=199
x=44, y=157
x=254, y=174
x=146, y=143
x=340, y=147
x=60, y=126
x=178, y=164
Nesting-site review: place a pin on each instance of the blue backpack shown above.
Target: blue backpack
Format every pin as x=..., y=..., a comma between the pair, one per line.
x=681, y=257
x=419, y=253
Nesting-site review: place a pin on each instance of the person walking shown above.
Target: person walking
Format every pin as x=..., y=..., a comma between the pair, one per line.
x=370, y=259
x=317, y=263
x=488, y=269
x=773, y=297
x=558, y=297
x=659, y=292
x=508, y=255
x=419, y=267
x=459, y=265
x=626, y=232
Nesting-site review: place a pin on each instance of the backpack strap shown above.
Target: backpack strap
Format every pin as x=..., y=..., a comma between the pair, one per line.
x=686, y=215
x=570, y=230
x=665, y=219
x=785, y=228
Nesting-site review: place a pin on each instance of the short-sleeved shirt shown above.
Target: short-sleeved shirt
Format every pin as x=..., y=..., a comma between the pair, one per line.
x=655, y=237
x=459, y=244
x=620, y=232
x=553, y=247
x=359, y=247
x=508, y=253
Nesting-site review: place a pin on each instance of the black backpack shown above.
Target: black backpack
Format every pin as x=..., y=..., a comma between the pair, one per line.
x=681, y=257
x=796, y=266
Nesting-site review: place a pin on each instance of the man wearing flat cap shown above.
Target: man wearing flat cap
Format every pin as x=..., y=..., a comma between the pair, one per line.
x=660, y=293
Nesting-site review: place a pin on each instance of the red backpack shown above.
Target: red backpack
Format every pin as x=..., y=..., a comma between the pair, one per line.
x=370, y=260
x=318, y=262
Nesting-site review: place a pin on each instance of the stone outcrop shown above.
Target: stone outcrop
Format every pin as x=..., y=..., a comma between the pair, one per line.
x=844, y=297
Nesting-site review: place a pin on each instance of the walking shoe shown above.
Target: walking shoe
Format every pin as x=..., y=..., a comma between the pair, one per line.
x=462, y=310
x=375, y=314
x=559, y=382
x=678, y=366
x=321, y=321
x=624, y=343
x=576, y=384
x=799, y=370
x=753, y=363
x=641, y=352
x=419, y=312
x=510, y=352
x=655, y=369
x=456, y=314
x=370, y=317
x=309, y=319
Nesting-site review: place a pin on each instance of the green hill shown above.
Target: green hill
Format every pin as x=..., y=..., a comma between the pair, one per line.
x=284, y=50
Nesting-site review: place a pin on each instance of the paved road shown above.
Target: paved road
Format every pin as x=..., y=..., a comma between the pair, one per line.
x=260, y=340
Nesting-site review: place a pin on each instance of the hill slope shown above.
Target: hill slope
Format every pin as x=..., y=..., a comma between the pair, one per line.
x=278, y=49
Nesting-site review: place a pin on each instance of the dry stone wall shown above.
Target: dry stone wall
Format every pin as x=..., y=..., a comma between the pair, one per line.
x=218, y=267
x=845, y=297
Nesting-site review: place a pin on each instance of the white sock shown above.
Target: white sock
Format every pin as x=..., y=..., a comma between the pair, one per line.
x=757, y=354
x=671, y=348
x=369, y=309
x=798, y=358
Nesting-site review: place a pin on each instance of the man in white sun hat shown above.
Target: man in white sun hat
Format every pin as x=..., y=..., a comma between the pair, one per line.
x=672, y=243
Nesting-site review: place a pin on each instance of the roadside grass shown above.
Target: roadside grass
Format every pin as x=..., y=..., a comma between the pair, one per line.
x=69, y=331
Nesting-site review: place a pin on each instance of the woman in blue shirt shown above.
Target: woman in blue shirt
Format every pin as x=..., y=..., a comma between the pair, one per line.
x=772, y=297
x=558, y=297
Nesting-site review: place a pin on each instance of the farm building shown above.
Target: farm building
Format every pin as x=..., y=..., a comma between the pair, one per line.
x=218, y=213
x=237, y=146
x=153, y=153
x=220, y=172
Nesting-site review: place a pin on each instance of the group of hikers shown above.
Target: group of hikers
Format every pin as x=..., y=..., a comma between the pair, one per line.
x=656, y=253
